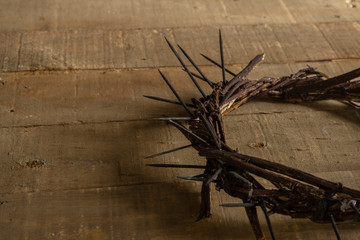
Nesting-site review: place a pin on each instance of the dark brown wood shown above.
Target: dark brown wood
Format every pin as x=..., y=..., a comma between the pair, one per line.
x=273, y=177
x=254, y=222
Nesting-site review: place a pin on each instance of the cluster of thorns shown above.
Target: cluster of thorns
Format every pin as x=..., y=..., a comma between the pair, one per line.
x=294, y=192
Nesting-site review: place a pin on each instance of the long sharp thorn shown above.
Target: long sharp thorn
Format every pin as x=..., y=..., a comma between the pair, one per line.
x=196, y=67
x=352, y=205
x=175, y=93
x=263, y=207
x=197, y=76
x=192, y=178
x=222, y=57
x=169, y=151
x=184, y=66
x=186, y=130
x=173, y=118
x=250, y=193
x=201, y=175
x=238, y=176
x=169, y=101
x=335, y=227
x=209, y=128
x=214, y=176
x=237, y=205
x=175, y=166
x=217, y=64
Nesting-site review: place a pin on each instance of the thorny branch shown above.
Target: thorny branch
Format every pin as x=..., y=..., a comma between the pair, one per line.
x=295, y=193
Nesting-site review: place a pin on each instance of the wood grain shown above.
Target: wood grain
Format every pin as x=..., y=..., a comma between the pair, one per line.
x=96, y=49
x=75, y=128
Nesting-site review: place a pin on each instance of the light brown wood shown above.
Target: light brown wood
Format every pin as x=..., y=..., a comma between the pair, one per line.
x=98, y=49
x=75, y=128
x=139, y=14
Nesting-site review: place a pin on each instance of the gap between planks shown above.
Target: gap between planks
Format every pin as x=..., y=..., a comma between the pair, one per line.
x=131, y=69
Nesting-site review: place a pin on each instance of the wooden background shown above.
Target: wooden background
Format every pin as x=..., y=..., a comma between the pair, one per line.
x=75, y=128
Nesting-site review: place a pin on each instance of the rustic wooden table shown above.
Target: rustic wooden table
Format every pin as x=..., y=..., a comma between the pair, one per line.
x=75, y=128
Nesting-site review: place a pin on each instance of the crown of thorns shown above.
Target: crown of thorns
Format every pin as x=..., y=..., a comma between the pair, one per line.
x=294, y=192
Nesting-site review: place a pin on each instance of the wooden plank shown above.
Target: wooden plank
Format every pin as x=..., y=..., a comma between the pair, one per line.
x=321, y=11
x=84, y=155
x=74, y=133
x=104, y=213
x=350, y=46
x=9, y=51
x=334, y=141
x=98, y=97
x=114, y=49
x=101, y=156
x=44, y=16
x=150, y=211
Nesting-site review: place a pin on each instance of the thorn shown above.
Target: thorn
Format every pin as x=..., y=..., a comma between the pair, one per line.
x=222, y=57
x=214, y=176
x=192, y=178
x=169, y=151
x=169, y=101
x=196, y=67
x=237, y=205
x=184, y=66
x=238, y=176
x=217, y=64
x=175, y=93
x=250, y=193
x=175, y=166
x=185, y=129
x=335, y=227
x=263, y=207
x=173, y=118
x=197, y=76
x=352, y=205
x=201, y=175
x=207, y=125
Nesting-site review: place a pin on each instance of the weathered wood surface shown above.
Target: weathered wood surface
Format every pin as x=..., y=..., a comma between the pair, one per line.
x=93, y=49
x=140, y=14
x=75, y=128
